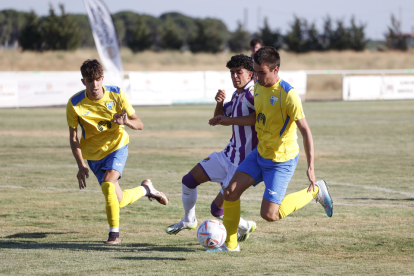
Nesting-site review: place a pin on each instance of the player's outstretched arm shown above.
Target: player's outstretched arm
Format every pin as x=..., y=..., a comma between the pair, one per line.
x=248, y=120
x=309, y=150
x=220, y=97
x=77, y=153
x=131, y=121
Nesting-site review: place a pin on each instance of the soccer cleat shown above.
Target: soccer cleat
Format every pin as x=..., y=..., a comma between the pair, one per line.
x=243, y=234
x=152, y=193
x=176, y=228
x=113, y=238
x=223, y=248
x=324, y=198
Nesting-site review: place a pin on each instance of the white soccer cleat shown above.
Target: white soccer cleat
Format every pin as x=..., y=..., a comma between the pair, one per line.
x=224, y=248
x=324, y=198
x=243, y=234
x=152, y=193
x=176, y=228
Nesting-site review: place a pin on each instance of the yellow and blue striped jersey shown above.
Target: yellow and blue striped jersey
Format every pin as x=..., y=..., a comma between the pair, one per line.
x=100, y=136
x=277, y=109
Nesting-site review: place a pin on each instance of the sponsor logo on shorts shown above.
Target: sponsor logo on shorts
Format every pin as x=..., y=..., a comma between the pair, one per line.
x=205, y=160
x=272, y=192
x=256, y=94
x=87, y=113
x=118, y=164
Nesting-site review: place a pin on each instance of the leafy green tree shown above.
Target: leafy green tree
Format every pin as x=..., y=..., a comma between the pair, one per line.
x=11, y=22
x=82, y=23
x=269, y=37
x=357, y=36
x=139, y=37
x=295, y=38
x=327, y=34
x=171, y=35
x=30, y=37
x=394, y=37
x=341, y=37
x=239, y=40
x=60, y=32
x=206, y=40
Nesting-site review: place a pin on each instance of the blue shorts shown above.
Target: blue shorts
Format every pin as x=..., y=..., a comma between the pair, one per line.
x=114, y=161
x=276, y=176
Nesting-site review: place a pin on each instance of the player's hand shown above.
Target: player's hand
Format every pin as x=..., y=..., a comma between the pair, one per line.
x=120, y=119
x=311, y=176
x=219, y=120
x=220, y=96
x=82, y=173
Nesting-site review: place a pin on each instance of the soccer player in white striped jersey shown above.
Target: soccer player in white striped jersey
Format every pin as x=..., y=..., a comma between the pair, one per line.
x=220, y=166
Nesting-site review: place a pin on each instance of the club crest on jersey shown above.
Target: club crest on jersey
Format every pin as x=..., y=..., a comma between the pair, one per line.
x=205, y=160
x=273, y=100
x=110, y=105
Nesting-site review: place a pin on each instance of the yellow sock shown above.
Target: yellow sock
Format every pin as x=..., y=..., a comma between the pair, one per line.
x=112, y=204
x=130, y=196
x=295, y=201
x=231, y=221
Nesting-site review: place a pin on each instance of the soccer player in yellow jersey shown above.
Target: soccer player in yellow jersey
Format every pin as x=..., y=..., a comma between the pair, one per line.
x=102, y=112
x=278, y=115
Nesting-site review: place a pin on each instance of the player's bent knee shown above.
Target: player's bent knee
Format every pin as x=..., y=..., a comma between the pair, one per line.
x=216, y=211
x=189, y=181
x=269, y=216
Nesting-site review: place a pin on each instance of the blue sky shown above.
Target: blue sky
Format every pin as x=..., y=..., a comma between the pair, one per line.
x=374, y=13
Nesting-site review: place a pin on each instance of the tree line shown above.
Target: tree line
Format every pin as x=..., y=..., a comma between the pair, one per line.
x=175, y=31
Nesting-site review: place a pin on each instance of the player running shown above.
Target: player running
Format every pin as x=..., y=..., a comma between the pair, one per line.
x=279, y=114
x=102, y=113
x=220, y=166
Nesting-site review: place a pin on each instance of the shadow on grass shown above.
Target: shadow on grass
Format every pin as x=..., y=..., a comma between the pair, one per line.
x=21, y=243
x=150, y=258
x=385, y=199
x=39, y=235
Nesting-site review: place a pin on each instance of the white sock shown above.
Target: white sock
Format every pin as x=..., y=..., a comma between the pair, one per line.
x=243, y=224
x=116, y=229
x=144, y=191
x=189, y=197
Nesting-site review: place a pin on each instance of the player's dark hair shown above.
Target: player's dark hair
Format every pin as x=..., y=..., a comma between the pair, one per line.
x=267, y=55
x=255, y=41
x=91, y=68
x=241, y=60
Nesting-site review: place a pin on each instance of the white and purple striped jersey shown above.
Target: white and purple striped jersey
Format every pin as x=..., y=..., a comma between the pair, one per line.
x=244, y=138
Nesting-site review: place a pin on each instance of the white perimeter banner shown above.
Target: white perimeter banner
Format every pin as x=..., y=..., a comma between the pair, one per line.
x=161, y=88
x=35, y=89
x=355, y=88
x=106, y=40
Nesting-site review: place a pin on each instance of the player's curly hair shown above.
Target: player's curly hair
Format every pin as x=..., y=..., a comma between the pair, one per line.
x=91, y=68
x=241, y=60
x=267, y=55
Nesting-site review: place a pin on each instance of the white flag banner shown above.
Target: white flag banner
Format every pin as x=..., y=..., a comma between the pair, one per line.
x=106, y=41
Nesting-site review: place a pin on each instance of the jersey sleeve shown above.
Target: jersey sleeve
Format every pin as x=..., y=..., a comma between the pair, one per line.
x=227, y=108
x=126, y=105
x=250, y=98
x=71, y=115
x=294, y=105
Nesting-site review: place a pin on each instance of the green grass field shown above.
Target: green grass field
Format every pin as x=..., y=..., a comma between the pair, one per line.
x=364, y=150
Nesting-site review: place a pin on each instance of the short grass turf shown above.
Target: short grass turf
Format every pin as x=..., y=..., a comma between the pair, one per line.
x=364, y=150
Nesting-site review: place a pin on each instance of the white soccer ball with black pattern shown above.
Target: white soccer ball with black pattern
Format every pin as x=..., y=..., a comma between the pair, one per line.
x=211, y=234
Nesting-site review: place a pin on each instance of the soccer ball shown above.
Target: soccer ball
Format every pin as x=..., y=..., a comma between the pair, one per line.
x=211, y=234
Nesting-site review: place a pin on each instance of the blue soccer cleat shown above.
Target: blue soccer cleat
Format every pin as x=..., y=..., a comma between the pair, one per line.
x=324, y=198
